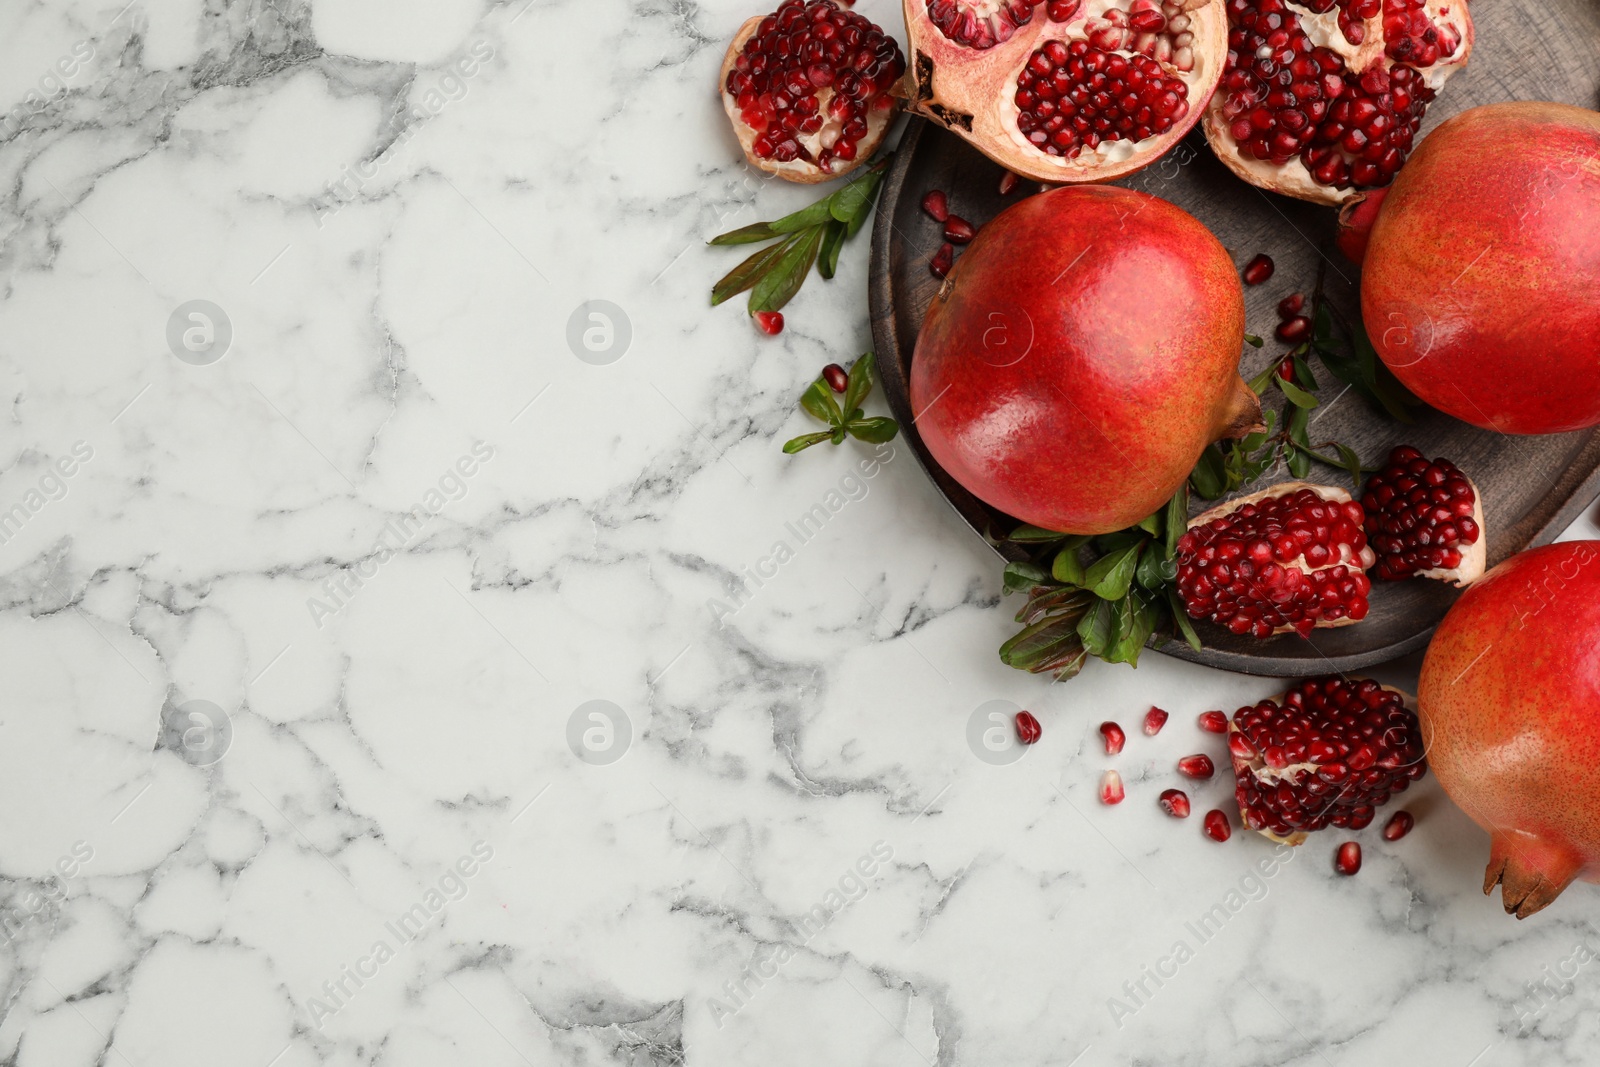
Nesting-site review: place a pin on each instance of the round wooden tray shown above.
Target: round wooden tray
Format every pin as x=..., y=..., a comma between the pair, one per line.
x=1533, y=487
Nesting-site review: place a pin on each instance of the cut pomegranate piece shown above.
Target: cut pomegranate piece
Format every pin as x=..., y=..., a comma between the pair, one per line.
x=1214, y=722
x=1066, y=91
x=1318, y=107
x=1288, y=558
x=1154, y=720
x=1199, y=767
x=770, y=322
x=1028, y=728
x=937, y=205
x=1347, y=860
x=1111, y=791
x=1398, y=826
x=810, y=89
x=1329, y=752
x=1425, y=519
x=1216, y=825
x=1258, y=269
x=1114, y=736
x=836, y=377
x=1175, y=802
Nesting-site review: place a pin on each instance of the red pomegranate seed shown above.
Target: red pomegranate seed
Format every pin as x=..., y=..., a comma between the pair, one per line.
x=1028, y=728
x=1293, y=331
x=1214, y=722
x=1197, y=767
x=1154, y=720
x=1111, y=788
x=1008, y=183
x=1114, y=736
x=1420, y=515
x=1347, y=860
x=1290, y=306
x=1259, y=269
x=958, y=230
x=1398, y=826
x=1077, y=95
x=942, y=260
x=770, y=322
x=1175, y=802
x=937, y=205
x=1216, y=825
x=837, y=379
x=1286, y=369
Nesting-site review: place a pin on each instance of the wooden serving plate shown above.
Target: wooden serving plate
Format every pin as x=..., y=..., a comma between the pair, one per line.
x=1533, y=487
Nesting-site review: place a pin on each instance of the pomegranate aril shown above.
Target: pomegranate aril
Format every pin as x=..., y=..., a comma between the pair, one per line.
x=1009, y=182
x=1175, y=802
x=1111, y=791
x=942, y=260
x=1028, y=728
x=1217, y=826
x=958, y=230
x=1154, y=720
x=937, y=205
x=1398, y=826
x=1294, y=330
x=1114, y=737
x=1214, y=722
x=1348, y=859
x=1290, y=306
x=1286, y=368
x=1199, y=766
x=770, y=322
x=1258, y=269
x=1077, y=95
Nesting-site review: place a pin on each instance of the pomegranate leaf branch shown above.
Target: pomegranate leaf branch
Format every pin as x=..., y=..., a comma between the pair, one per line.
x=847, y=418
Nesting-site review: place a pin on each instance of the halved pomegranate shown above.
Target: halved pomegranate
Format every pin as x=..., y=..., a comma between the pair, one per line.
x=1323, y=98
x=1066, y=91
x=1329, y=752
x=1289, y=558
x=1425, y=519
x=810, y=89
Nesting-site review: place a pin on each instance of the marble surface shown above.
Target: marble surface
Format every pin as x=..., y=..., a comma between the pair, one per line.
x=368, y=696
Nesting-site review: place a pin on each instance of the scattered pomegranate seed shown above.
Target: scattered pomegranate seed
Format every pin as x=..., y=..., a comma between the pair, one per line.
x=1295, y=330
x=1198, y=766
x=1216, y=825
x=838, y=380
x=937, y=205
x=1259, y=269
x=1348, y=859
x=1008, y=183
x=958, y=230
x=1028, y=728
x=1286, y=369
x=1214, y=722
x=770, y=322
x=1290, y=306
x=1398, y=826
x=1154, y=720
x=942, y=260
x=1175, y=802
x=1114, y=737
x=1111, y=788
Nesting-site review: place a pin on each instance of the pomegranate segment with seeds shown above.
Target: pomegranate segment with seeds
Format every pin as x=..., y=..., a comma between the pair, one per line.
x=1289, y=558
x=1320, y=99
x=1066, y=91
x=1329, y=752
x=1424, y=519
x=810, y=89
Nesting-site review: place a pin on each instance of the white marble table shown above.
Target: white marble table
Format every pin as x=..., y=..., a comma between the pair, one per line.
x=300, y=641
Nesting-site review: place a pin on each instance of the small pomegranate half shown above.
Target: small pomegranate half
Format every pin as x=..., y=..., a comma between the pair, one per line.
x=1323, y=98
x=810, y=89
x=1479, y=279
x=1509, y=701
x=1066, y=91
x=1080, y=356
x=1289, y=558
x=1329, y=752
x=1424, y=519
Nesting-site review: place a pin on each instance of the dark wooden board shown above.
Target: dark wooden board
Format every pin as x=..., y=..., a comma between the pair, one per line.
x=1533, y=487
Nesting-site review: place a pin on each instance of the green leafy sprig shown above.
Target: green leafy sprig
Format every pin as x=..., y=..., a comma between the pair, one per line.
x=846, y=418
x=812, y=235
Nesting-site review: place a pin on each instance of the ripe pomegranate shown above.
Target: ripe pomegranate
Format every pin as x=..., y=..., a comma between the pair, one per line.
x=1424, y=518
x=1322, y=98
x=1066, y=91
x=1289, y=558
x=1330, y=751
x=1510, y=708
x=1478, y=285
x=810, y=89
x=1080, y=357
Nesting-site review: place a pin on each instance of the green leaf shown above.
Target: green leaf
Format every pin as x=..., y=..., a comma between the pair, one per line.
x=1111, y=574
x=1297, y=396
x=1253, y=341
x=1067, y=566
x=1299, y=419
x=1099, y=628
x=852, y=204
x=804, y=441
x=748, y=273
x=1136, y=621
x=1155, y=570
x=1151, y=524
x=785, y=278
x=817, y=401
x=1177, y=518
x=756, y=231
x=860, y=379
x=1054, y=600
x=1260, y=382
x=828, y=257
x=1303, y=375
x=1020, y=577
x=1181, y=618
x=807, y=217
x=1210, y=476
x=1299, y=462
x=876, y=430
x=1043, y=645
x=1034, y=535
x=1352, y=463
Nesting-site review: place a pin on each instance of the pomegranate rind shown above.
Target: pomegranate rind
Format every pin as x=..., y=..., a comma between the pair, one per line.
x=798, y=170
x=971, y=92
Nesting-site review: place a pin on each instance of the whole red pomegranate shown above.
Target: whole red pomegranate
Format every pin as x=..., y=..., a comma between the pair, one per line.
x=1479, y=282
x=1510, y=707
x=1080, y=356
